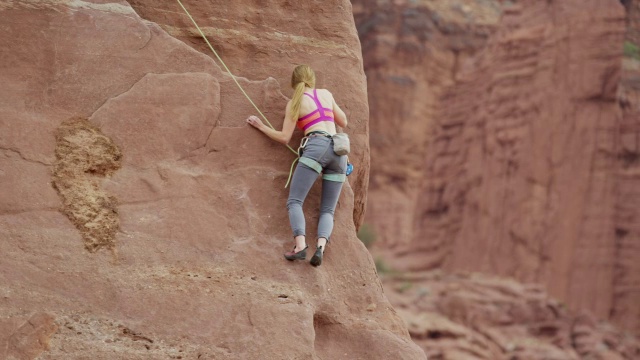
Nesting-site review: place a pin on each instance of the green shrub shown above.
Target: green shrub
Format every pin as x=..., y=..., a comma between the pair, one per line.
x=384, y=269
x=631, y=50
x=367, y=235
x=381, y=267
x=406, y=285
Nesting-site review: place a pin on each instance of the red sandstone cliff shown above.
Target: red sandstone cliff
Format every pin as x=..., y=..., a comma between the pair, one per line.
x=627, y=220
x=498, y=145
x=141, y=218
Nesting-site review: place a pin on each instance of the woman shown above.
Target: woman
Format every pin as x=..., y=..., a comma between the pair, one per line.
x=316, y=113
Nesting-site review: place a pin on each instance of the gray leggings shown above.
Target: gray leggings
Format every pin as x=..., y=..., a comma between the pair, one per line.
x=320, y=149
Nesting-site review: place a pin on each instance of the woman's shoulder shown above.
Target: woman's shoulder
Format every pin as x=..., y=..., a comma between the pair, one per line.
x=325, y=93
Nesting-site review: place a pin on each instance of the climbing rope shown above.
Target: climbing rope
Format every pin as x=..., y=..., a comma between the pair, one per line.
x=239, y=86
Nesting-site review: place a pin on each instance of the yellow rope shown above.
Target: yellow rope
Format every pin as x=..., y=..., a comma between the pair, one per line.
x=239, y=86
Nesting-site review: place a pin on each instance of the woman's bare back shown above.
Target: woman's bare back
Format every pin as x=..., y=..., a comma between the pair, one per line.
x=307, y=106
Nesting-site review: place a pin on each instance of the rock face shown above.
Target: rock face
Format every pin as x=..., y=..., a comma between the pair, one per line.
x=633, y=20
x=472, y=316
x=116, y=135
x=627, y=219
x=496, y=144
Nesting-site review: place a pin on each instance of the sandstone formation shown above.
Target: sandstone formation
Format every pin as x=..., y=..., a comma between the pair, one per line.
x=497, y=145
x=626, y=311
x=117, y=133
x=632, y=8
x=473, y=316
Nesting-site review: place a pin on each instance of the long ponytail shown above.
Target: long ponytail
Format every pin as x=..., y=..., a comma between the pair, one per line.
x=296, y=100
x=302, y=76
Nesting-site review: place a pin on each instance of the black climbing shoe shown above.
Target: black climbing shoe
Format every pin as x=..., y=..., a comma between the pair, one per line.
x=300, y=255
x=316, y=260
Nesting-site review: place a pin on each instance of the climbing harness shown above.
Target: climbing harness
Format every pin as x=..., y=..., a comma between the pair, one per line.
x=314, y=164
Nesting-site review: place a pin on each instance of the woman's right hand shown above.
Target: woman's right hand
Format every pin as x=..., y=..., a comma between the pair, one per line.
x=255, y=121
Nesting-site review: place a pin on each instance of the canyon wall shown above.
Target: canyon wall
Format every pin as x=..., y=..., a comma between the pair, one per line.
x=497, y=145
x=626, y=311
x=141, y=218
x=481, y=317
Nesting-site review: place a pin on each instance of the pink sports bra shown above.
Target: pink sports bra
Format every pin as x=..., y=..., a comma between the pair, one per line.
x=316, y=116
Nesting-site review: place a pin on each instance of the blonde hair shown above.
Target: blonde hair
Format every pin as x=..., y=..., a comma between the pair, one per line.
x=302, y=76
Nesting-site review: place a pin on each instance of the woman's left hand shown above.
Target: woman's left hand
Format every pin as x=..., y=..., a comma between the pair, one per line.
x=255, y=121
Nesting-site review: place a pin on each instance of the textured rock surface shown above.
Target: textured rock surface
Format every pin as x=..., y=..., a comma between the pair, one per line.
x=472, y=316
x=196, y=270
x=626, y=309
x=495, y=136
x=632, y=8
x=82, y=154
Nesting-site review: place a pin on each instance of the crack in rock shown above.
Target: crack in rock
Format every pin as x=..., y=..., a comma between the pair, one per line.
x=23, y=157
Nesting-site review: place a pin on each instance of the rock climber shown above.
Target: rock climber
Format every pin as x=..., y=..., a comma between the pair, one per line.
x=316, y=113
